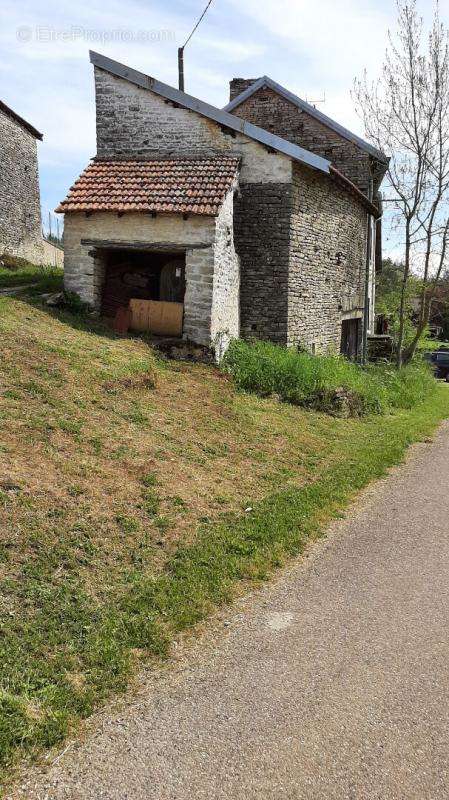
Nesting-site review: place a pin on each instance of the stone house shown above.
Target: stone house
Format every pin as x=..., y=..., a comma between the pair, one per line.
x=20, y=212
x=235, y=217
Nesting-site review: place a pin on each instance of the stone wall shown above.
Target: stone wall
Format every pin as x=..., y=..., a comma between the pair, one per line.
x=239, y=85
x=52, y=255
x=211, y=302
x=278, y=115
x=84, y=273
x=225, y=323
x=137, y=123
x=327, y=261
x=262, y=238
x=198, y=296
x=20, y=215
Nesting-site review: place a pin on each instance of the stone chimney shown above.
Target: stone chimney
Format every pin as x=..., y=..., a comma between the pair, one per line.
x=238, y=85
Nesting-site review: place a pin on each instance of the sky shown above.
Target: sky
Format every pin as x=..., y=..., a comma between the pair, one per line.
x=315, y=49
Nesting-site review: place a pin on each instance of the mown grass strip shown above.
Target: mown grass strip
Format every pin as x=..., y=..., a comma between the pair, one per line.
x=42, y=696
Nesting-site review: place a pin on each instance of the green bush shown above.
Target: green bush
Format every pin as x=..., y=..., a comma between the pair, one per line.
x=327, y=382
x=72, y=302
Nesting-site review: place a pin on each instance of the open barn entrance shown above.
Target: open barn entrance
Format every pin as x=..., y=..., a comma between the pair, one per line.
x=143, y=289
x=141, y=275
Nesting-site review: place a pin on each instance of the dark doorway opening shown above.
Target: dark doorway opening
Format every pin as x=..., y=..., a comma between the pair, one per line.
x=350, y=338
x=142, y=275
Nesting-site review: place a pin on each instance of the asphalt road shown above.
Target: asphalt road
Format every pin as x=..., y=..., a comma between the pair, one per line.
x=331, y=682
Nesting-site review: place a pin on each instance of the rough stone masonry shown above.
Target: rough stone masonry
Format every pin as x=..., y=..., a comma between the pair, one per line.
x=289, y=249
x=20, y=214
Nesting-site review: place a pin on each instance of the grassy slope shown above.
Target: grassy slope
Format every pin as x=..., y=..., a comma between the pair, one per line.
x=123, y=484
x=48, y=279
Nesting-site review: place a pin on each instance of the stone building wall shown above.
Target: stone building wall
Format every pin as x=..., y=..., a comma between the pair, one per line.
x=137, y=123
x=299, y=237
x=225, y=322
x=262, y=238
x=20, y=214
x=84, y=273
x=211, y=302
x=327, y=261
x=239, y=85
x=275, y=113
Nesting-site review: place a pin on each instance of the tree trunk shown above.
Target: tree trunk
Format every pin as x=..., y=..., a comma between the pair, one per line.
x=410, y=351
x=400, y=344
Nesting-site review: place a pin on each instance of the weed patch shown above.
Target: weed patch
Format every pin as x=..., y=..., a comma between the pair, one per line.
x=18, y=272
x=325, y=383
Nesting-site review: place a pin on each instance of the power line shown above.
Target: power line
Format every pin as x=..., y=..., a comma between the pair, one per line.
x=181, y=50
x=194, y=29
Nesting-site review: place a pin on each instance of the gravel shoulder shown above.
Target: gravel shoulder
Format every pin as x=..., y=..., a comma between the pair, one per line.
x=330, y=682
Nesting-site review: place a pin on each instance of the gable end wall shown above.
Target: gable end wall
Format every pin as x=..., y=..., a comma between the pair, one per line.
x=133, y=122
x=278, y=115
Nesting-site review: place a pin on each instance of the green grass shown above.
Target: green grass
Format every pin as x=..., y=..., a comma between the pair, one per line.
x=118, y=529
x=325, y=382
x=428, y=344
x=19, y=272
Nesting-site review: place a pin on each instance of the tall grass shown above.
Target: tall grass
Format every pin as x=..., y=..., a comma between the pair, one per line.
x=325, y=382
x=19, y=272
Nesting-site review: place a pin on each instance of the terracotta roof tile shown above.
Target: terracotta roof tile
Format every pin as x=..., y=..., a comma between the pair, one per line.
x=196, y=186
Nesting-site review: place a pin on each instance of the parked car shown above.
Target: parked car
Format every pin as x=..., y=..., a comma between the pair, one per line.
x=440, y=363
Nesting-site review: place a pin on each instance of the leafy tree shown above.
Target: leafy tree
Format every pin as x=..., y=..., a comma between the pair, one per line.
x=389, y=290
x=406, y=114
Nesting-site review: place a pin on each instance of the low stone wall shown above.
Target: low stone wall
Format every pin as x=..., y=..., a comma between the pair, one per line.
x=52, y=255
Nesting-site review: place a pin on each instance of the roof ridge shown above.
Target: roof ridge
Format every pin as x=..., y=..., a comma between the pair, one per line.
x=20, y=120
x=265, y=80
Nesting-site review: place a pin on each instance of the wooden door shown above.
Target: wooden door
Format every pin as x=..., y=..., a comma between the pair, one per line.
x=350, y=331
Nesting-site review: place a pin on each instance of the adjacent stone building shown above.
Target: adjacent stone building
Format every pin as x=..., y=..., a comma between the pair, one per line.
x=266, y=237
x=269, y=105
x=20, y=214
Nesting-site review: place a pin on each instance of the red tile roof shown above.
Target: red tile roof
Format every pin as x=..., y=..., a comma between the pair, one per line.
x=181, y=186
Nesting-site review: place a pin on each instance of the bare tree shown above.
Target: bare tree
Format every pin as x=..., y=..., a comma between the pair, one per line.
x=406, y=114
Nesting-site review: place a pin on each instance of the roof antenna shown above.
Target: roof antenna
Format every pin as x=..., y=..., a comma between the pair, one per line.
x=181, y=51
x=314, y=103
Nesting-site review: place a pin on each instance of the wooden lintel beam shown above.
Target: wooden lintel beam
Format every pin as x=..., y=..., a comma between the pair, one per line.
x=173, y=247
